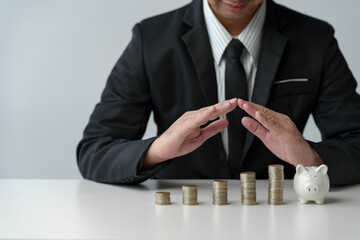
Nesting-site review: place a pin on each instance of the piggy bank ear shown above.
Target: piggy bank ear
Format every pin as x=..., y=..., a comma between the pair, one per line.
x=300, y=169
x=322, y=169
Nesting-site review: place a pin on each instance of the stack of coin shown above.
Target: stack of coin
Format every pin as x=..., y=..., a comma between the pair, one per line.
x=162, y=198
x=189, y=195
x=248, y=188
x=220, y=188
x=276, y=184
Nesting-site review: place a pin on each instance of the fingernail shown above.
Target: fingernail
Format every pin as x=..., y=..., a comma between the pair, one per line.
x=233, y=100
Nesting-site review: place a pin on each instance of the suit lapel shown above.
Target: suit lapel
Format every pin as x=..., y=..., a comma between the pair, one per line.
x=271, y=52
x=273, y=45
x=198, y=45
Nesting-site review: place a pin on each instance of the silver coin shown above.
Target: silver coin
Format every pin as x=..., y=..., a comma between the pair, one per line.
x=162, y=198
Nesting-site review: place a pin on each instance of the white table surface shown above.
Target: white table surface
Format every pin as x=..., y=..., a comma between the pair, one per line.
x=81, y=209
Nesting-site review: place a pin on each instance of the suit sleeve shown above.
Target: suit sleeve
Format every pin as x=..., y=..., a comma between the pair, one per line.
x=337, y=114
x=111, y=149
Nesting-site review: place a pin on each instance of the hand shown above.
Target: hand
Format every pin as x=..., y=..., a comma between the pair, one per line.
x=279, y=134
x=185, y=134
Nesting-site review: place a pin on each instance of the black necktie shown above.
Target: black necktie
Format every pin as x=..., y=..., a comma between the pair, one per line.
x=235, y=86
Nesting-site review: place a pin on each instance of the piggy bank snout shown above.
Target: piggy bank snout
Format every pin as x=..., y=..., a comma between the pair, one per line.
x=312, y=188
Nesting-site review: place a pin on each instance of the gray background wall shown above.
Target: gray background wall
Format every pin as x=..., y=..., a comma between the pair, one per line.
x=55, y=57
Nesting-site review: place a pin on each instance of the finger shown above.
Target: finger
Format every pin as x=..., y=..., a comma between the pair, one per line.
x=254, y=127
x=248, y=107
x=217, y=105
x=231, y=101
x=241, y=102
x=252, y=107
x=195, y=119
x=223, y=108
x=265, y=116
x=267, y=121
x=210, y=113
x=214, y=128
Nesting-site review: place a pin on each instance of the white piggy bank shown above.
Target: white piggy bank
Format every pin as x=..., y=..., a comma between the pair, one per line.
x=311, y=183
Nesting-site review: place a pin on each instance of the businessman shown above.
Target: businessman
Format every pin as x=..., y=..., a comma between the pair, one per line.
x=231, y=85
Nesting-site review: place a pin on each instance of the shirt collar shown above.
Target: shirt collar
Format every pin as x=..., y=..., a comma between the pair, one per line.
x=220, y=37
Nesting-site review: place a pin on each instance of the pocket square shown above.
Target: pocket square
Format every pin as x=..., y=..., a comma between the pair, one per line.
x=292, y=80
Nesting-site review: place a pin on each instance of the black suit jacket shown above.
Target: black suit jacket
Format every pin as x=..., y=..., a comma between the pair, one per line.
x=168, y=68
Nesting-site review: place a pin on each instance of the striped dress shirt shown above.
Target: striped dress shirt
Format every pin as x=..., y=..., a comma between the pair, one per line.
x=250, y=37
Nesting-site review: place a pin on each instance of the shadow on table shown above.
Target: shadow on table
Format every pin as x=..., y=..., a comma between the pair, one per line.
x=151, y=185
x=330, y=200
x=168, y=184
x=342, y=188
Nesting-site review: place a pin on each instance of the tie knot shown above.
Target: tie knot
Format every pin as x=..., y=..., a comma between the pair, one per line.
x=234, y=49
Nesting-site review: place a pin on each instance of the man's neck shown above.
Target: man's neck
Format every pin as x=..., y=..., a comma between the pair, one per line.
x=234, y=26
